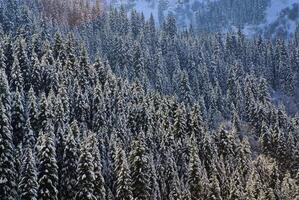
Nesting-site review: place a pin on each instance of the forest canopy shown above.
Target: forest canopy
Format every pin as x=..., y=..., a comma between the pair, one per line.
x=118, y=108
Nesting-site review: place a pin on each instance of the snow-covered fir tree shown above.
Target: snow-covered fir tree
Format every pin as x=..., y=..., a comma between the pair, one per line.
x=47, y=168
x=28, y=185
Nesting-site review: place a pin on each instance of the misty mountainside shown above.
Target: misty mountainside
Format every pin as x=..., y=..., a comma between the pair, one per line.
x=266, y=17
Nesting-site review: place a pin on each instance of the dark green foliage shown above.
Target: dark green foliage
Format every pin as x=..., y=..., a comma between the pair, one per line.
x=140, y=170
x=69, y=167
x=47, y=168
x=28, y=182
x=7, y=166
x=85, y=174
x=123, y=176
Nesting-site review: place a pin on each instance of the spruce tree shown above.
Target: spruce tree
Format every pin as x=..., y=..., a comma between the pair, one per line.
x=7, y=166
x=32, y=111
x=138, y=64
x=69, y=167
x=29, y=136
x=17, y=81
x=18, y=117
x=185, y=93
x=289, y=188
x=23, y=61
x=43, y=114
x=197, y=123
x=99, y=183
x=2, y=58
x=47, y=168
x=85, y=174
x=139, y=170
x=5, y=94
x=28, y=185
x=197, y=177
x=36, y=72
x=123, y=177
x=58, y=48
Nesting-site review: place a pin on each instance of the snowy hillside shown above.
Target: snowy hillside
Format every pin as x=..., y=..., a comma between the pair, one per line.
x=282, y=17
x=270, y=17
x=183, y=10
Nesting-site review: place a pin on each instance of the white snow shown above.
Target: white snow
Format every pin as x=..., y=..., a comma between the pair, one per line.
x=275, y=8
x=181, y=7
x=274, y=15
x=151, y=7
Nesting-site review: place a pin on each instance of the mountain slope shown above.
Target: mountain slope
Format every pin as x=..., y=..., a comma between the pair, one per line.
x=267, y=17
x=184, y=10
x=281, y=19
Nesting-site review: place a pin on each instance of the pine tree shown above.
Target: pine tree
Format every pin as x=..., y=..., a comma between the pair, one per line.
x=139, y=170
x=43, y=114
x=81, y=107
x=138, y=64
x=69, y=167
x=85, y=173
x=18, y=162
x=28, y=185
x=7, y=166
x=84, y=76
x=23, y=61
x=197, y=177
x=175, y=193
x=29, y=136
x=98, y=108
x=47, y=168
x=285, y=76
x=2, y=59
x=226, y=143
x=99, y=189
x=5, y=94
x=265, y=138
x=32, y=111
x=179, y=125
x=58, y=49
x=289, y=188
x=185, y=93
x=70, y=53
x=170, y=27
x=123, y=177
x=18, y=118
x=197, y=123
x=36, y=73
x=17, y=81
x=215, y=193
x=102, y=71
x=234, y=91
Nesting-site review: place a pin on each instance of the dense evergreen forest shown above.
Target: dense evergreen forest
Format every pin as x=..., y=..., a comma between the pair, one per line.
x=114, y=107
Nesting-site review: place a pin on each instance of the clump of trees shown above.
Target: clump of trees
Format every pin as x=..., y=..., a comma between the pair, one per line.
x=71, y=12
